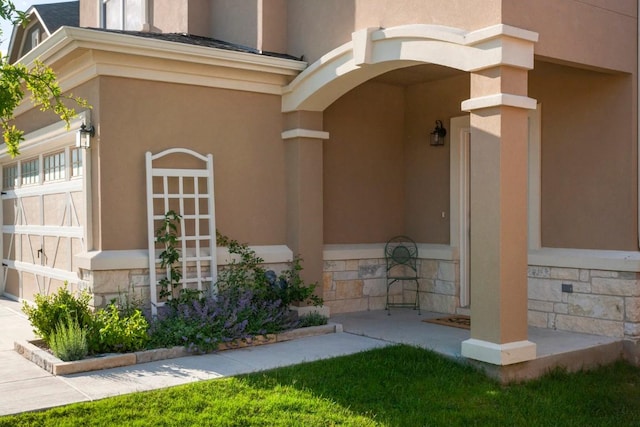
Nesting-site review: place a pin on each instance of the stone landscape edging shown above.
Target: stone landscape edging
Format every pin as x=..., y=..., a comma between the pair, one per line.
x=55, y=366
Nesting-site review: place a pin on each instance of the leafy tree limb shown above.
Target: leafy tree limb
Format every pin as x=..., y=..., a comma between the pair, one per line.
x=40, y=81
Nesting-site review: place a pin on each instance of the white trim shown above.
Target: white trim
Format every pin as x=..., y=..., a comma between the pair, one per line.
x=376, y=251
x=122, y=55
x=459, y=199
x=499, y=354
x=371, y=53
x=45, y=230
x=139, y=258
x=497, y=100
x=53, y=187
x=48, y=138
x=586, y=258
x=304, y=133
x=49, y=272
x=495, y=31
x=534, y=188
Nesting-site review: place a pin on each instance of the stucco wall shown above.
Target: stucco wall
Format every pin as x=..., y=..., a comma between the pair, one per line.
x=598, y=33
x=241, y=130
x=427, y=167
x=315, y=28
x=235, y=21
x=589, y=158
x=363, y=165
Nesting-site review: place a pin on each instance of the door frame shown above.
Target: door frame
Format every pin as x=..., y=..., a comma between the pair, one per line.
x=460, y=187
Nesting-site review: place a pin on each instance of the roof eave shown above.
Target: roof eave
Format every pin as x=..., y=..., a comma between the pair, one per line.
x=70, y=38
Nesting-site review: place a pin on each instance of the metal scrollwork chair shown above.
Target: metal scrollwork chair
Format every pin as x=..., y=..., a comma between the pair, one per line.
x=401, y=255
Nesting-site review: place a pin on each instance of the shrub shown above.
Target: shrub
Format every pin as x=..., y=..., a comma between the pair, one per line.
x=50, y=311
x=247, y=272
x=312, y=319
x=69, y=341
x=113, y=332
x=232, y=314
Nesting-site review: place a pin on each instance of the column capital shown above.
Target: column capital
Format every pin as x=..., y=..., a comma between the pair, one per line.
x=304, y=133
x=499, y=100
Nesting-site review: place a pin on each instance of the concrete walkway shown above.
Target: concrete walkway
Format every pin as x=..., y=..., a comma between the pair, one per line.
x=26, y=387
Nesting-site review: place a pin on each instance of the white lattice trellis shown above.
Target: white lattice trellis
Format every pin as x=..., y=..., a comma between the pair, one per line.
x=189, y=193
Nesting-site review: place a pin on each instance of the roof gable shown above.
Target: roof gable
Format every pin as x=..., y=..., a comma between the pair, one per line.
x=47, y=18
x=55, y=15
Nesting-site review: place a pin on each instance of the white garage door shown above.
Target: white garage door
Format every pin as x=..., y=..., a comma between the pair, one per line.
x=43, y=215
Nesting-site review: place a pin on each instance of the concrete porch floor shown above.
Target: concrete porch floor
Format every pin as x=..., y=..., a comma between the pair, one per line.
x=568, y=350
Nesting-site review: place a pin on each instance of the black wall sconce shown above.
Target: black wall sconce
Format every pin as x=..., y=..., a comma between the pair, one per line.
x=438, y=134
x=83, y=136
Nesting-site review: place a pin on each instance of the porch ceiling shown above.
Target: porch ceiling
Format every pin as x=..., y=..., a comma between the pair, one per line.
x=417, y=74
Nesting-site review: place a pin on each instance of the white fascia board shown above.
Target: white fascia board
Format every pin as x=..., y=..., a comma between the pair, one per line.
x=129, y=44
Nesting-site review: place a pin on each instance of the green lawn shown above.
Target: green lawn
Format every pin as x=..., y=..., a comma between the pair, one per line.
x=394, y=386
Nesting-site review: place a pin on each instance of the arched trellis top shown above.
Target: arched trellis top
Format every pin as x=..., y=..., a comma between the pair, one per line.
x=372, y=52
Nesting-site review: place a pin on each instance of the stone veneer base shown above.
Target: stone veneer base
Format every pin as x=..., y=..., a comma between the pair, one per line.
x=55, y=366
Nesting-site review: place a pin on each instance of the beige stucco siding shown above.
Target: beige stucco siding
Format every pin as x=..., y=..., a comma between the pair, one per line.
x=427, y=167
x=242, y=131
x=364, y=190
x=316, y=27
x=589, y=158
x=597, y=33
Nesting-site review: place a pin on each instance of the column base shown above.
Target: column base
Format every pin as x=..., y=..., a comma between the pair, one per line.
x=499, y=354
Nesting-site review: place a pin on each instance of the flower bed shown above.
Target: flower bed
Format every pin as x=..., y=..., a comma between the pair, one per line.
x=33, y=351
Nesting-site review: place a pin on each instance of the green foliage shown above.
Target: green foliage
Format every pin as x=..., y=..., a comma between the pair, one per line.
x=246, y=271
x=69, y=341
x=112, y=332
x=51, y=310
x=167, y=235
x=39, y=81
x=107, y=330
x=312, y=319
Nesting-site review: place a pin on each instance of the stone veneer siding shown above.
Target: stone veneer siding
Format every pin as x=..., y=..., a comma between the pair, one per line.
x=105, y=285
x=601, y=302
x=360, y=284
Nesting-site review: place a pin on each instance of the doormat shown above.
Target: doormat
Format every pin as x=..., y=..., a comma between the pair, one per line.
x=457, y=321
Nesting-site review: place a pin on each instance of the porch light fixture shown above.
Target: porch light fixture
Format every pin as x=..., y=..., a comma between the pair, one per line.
x=438, y=134
x=83, y=136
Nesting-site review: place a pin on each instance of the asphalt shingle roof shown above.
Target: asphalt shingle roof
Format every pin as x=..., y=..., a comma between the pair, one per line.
x=55, y=15
x=199, y=41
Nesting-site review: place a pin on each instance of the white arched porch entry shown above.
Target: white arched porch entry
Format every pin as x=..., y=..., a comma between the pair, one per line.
x=498, y=58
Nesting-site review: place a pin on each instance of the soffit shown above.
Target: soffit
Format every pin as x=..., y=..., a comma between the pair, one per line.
x=418, y=74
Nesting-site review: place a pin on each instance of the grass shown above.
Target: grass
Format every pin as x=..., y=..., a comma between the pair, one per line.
x=393, y=386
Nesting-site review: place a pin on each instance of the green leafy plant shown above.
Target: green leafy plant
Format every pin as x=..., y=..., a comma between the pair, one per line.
x=312, y=319
x=51, y=310
x=69, y=341
x=38, y=80
x=113, y=332
x=246, y=271
x=167, y=235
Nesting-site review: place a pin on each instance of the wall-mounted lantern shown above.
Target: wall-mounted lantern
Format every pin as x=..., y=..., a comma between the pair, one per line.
x=83, y=136
x=438, y=134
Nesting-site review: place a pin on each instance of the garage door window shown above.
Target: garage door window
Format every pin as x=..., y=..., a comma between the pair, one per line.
x=9, y=176
x=76, y=162
x=30, y=172
x=54, y=166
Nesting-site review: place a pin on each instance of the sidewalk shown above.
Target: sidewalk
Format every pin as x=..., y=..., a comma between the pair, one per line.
x=26, y=387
